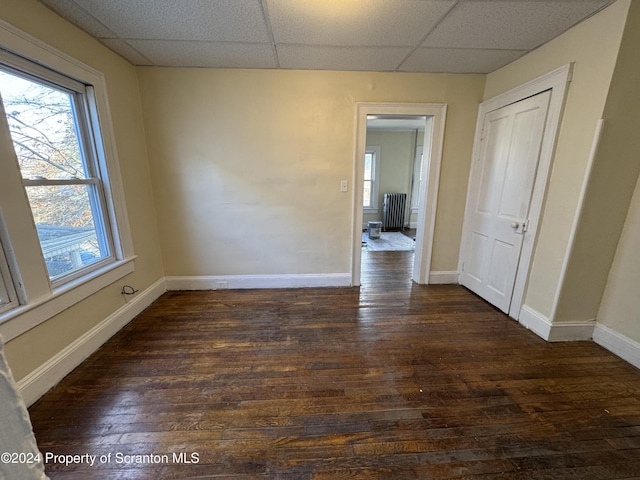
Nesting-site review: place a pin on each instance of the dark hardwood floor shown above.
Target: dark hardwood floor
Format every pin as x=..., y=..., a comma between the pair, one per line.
x=388, y=381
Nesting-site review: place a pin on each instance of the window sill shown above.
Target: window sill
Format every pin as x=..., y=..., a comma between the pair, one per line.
x=370, y=210
x=18, y=320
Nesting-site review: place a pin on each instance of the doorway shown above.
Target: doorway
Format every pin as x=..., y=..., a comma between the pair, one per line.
x=432, y=117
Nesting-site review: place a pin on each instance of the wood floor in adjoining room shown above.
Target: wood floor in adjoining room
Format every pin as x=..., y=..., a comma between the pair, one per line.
x=387, y=381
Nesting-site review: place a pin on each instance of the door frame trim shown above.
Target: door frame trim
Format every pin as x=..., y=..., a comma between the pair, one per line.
x=557, y=81
x=427, y=212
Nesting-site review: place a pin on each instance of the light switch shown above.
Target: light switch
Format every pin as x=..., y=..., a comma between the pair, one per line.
x=344, y=185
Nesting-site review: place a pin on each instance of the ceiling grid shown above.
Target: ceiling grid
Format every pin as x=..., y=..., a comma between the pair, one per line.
x=433, y=36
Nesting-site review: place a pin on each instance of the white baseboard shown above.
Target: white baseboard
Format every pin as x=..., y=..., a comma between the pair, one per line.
x=571, y=331
x=443, y=278
x=535, y=321
x=43, y=378
x=220, y=282
x=556, y=331
x=618, y=344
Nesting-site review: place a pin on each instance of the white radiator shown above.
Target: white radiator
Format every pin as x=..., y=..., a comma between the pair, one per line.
x=393, y=211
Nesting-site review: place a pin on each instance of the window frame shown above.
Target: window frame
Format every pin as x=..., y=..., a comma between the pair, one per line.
x=374, y=205
x=38, y=299
x=85, y=134
x=7, y=288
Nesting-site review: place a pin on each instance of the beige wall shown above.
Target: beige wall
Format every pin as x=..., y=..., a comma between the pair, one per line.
x=593, y=47
x=246, y=164
x=618, y=167
x=30, y=350
x=621, y=302
x=615, y=171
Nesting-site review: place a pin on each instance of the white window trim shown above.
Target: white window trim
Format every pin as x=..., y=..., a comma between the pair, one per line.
x=18, y=320
x=7, y=287
x=40, y=305
x=375, y=187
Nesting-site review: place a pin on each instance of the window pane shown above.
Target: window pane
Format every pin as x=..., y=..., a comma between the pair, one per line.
x=64, y=217
x=417, y=180
x=43, y=129
x=368, y=166
x=366, y=197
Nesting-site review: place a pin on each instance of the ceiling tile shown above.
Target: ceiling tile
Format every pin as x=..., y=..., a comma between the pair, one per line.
x=125, y=50
x=80, y=17
x=458, y=60
x=208, y=20
x=206, y=54
x=503, y=24
x=354, y=22
x=341, y=58
x=463, y=35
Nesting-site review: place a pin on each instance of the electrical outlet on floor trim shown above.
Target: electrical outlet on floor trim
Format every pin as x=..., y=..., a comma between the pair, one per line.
x=222, y=285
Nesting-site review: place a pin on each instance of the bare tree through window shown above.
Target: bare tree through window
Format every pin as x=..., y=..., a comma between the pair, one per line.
x=46, y=122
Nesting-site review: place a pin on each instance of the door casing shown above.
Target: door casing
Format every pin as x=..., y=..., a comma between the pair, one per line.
x=436, y=115
x=557, y=82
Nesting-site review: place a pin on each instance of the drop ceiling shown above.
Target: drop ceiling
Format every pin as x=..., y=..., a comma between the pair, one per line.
x=464, y=36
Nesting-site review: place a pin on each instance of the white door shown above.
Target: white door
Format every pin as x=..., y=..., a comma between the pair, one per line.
x=500, y=190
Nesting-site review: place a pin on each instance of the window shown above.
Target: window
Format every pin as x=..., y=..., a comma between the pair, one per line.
x=48, y=116
x=371, y=178
x=418, y=169
x=63, y=220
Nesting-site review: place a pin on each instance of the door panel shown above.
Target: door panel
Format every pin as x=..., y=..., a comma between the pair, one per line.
x=500, y=256
x=493, y=171
x=500, y=193
x=477, y=261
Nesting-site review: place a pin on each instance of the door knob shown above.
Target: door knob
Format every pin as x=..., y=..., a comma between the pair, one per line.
x=515, y=225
